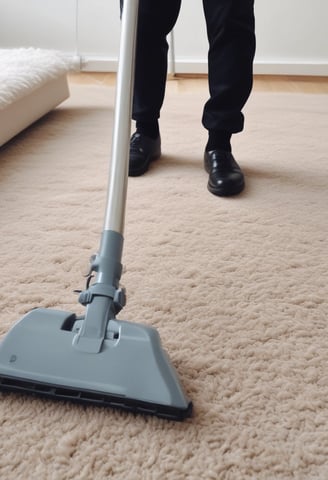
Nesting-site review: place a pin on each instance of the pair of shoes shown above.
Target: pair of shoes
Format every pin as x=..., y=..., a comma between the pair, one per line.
x=225, y=175
x=143, y=150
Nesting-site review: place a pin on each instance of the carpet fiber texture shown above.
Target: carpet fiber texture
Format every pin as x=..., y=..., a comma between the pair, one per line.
x=24, y=70
x=237, y=288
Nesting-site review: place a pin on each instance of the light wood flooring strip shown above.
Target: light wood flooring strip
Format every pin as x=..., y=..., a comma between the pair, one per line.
x=271, y=83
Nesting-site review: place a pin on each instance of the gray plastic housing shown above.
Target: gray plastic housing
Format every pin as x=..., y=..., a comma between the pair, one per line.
x=131, y=363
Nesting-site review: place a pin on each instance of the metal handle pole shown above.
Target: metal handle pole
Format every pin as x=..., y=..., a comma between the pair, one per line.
x=118, y=180
x=172, y=54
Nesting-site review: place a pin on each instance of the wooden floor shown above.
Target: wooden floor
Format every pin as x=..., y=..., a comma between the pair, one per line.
x=267, y=83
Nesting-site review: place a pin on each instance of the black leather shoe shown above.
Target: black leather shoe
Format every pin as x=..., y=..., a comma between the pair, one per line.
x=143, y=150
x=225, y=175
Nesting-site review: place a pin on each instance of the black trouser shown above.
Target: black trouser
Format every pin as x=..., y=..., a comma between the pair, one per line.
x=231, y=37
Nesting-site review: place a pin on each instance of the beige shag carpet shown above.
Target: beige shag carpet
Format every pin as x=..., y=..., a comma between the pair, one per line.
x=237, y=288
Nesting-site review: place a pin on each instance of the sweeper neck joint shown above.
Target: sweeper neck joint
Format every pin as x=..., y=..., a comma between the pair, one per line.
x=116, y=294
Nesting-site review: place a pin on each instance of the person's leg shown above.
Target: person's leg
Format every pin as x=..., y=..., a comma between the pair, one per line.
x=231, y=35
x=230, y=29
x=155, y=21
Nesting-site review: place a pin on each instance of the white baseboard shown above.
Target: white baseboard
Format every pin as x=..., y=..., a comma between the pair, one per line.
x=106, y=64
x=310, y=69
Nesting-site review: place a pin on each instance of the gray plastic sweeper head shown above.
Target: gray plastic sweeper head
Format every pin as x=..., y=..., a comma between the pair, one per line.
x=131, y=371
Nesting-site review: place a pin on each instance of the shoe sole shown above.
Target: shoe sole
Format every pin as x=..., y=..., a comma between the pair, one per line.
x=225, y=192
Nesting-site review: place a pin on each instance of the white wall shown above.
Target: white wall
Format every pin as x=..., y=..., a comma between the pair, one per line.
x=49, y=24
x=291, y=34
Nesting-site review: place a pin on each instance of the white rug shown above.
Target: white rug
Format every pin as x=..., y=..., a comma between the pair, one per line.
x=25, y=69
x=237, y=288
x=32, y=82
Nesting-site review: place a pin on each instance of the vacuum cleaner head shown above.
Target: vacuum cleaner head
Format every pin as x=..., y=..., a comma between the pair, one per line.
x=131, y=371
x=96, y=358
